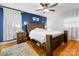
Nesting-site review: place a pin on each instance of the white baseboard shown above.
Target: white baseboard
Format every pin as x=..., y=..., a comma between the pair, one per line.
x=7, y=42
x=73, y=39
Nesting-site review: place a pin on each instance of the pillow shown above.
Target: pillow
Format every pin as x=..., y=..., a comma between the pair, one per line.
x=39, y=29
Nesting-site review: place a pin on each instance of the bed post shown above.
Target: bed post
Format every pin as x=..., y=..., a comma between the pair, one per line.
x=48, y=45
x=65, y=36
x=28, y=38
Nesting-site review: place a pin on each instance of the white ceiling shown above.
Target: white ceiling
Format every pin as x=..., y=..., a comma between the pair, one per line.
x=31, y=7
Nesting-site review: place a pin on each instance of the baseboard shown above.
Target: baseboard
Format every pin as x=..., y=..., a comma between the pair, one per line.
x=73, y=39
x=9, y=41
x=77, y=39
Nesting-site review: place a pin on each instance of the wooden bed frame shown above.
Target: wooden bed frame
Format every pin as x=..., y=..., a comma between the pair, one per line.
x=51, y=42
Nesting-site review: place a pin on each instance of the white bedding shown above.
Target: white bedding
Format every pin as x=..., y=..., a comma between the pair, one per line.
x=40, y=34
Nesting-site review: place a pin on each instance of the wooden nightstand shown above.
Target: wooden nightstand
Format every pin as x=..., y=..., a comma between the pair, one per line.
x=21, y=37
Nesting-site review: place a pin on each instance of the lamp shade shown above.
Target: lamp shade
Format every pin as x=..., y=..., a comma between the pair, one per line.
x=25, y=23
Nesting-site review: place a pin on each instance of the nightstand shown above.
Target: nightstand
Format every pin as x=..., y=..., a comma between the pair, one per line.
x=21, y=37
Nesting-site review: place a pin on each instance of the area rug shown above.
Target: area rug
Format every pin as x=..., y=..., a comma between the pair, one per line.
x=22, y=49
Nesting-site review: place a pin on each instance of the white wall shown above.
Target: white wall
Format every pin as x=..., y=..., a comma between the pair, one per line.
x=55, y=21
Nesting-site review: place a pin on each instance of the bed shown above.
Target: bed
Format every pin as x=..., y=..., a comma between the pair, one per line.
x=51, y=39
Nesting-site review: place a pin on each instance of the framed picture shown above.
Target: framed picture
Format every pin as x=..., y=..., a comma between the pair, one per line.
x=35, y=19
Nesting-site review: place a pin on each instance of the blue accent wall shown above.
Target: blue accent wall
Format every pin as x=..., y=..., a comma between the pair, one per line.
x=1, y=24
x=28, y=16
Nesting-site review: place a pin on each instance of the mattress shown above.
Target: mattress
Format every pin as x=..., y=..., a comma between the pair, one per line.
x=39, y=34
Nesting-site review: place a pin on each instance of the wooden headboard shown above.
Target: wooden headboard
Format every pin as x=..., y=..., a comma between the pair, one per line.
x=31, y=26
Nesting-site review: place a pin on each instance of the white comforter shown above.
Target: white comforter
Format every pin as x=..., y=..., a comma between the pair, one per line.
x=40, y=34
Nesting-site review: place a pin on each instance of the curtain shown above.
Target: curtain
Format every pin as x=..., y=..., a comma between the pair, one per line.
x=71, y=23
x=1, y=24
x=12, y=21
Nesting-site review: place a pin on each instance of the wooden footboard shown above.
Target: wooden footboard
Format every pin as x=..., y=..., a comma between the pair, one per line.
x=53, y=43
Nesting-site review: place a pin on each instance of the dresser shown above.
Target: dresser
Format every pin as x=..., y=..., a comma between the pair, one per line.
x=21, y=37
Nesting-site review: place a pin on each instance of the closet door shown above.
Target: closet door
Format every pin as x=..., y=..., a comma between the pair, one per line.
x=69, y=33
x=74, y=34
x=78, y=33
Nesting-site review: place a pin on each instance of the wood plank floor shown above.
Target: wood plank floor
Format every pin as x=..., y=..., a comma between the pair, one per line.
x=69, y=49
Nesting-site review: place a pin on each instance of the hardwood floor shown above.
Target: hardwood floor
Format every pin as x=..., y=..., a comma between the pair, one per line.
x=39, y=50
x=7, y=45
x=69, y=49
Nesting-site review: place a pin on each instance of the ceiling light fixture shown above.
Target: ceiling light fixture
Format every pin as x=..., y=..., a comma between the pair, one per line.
x=46, y=10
